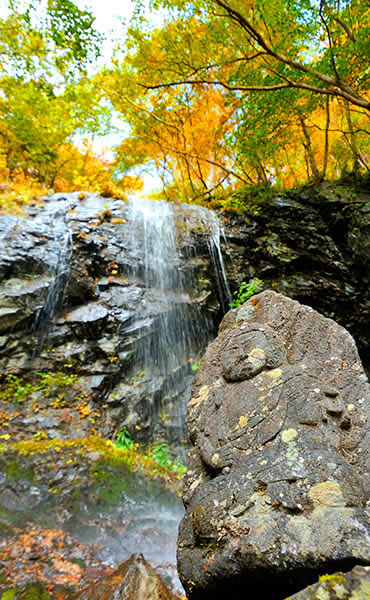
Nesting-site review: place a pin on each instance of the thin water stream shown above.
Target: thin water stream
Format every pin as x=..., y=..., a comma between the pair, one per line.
x=177, y=328
x=60, y=258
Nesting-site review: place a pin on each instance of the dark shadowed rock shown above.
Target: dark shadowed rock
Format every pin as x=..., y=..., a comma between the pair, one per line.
x=312, y=245
x=354, y=585
x=134, y=579
x=278, y=478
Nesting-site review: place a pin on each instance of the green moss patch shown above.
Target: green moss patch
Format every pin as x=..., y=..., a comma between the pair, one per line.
x=99, y=450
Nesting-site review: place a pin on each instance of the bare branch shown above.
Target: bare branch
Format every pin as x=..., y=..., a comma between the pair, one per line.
x=195, y=157
x=242, y=88
x=255, y=88
x=346, y=28
x=226, y=64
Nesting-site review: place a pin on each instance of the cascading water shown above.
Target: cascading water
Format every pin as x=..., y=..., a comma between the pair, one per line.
x=212, y=226
x=153, y=239
x=175, y=330
x=59, y=257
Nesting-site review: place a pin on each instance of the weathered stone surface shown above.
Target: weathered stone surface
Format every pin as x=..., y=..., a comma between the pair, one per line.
x=278, y=478
x=312, y=245
x=354, y=585
x=73, y=298
x=134, y=579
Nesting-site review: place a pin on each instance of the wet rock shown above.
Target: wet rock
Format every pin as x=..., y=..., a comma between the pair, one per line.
x=354, y=585
x=134, y=579
x=20, y=299
x=278, y=480
x=88, y=313
x=78, y=294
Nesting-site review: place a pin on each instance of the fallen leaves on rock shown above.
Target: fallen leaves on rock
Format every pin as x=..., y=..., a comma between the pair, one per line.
x=49, y=555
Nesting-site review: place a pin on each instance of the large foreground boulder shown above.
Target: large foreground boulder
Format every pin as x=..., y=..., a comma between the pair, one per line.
x=278, y=478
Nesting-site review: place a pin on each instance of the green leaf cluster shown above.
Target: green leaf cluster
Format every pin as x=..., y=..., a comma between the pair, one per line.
x=124, y=440
x=160, y=452
x=18, y=389
x=246, y=291
x=45, y=95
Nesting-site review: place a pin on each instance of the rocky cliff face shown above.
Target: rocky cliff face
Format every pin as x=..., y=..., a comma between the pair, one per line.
x=125, y=298
x=83, y=291
x=313, y=246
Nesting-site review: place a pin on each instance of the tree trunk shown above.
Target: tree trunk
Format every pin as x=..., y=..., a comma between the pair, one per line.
x=326, y=148
x=352, y=141
x=314, y=171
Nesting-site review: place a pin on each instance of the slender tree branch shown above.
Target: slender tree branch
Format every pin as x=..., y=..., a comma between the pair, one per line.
x=209, y=191
x=241, y=88
x=346, y=91
x=332, y=56
x=241, y=59
x=346, y=28
x=326, y=146
x=195, y=157
x=260, y=88
x=146, y=110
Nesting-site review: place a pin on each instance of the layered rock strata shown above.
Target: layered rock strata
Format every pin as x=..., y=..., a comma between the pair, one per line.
x=86, y=288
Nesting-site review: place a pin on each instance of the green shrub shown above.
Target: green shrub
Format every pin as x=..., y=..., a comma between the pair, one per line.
x=18, y=389
x=124, y=440
x=246, y=291
x=161, y=453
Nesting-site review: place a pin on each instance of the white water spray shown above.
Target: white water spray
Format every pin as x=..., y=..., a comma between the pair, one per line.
x=59, y=258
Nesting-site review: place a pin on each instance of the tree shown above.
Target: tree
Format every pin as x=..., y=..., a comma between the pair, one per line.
x=284, y=70
x=298, y=44
x=45, y=96
x=48, y=37
x=183, y=132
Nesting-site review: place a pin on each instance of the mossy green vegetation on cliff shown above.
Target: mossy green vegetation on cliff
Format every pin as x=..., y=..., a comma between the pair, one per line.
x=99, y=451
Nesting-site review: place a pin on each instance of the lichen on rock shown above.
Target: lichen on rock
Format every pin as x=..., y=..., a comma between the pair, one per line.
x=278, y=480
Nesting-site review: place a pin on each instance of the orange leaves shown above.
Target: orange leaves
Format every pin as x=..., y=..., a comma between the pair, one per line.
x=83, y=168
x=67, y=568
x=48, y=555
x=50, y=537
x=83, y=408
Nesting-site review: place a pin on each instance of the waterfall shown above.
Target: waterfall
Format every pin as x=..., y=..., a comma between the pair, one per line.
x=175, y=329
x=212, y=226
x=158, y=269
x=133, y=293
x=53, y=221
x=147, y=293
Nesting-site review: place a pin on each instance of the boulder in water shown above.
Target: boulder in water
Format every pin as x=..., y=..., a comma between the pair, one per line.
x=278, y=478
x=134, y=579
x=339, y=586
